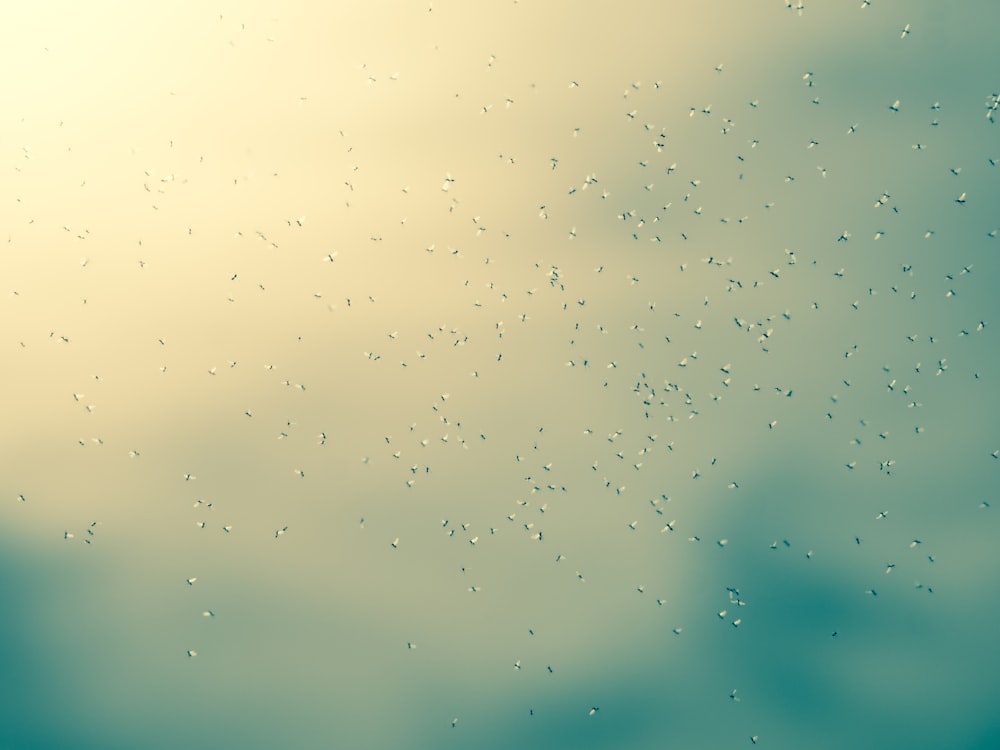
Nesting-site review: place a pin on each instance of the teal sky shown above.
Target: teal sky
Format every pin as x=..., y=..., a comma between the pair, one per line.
x=500, y=374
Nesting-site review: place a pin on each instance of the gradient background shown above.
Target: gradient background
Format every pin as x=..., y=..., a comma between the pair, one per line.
x=155, y=159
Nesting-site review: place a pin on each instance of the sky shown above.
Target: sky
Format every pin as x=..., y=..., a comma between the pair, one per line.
x=499, y=374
